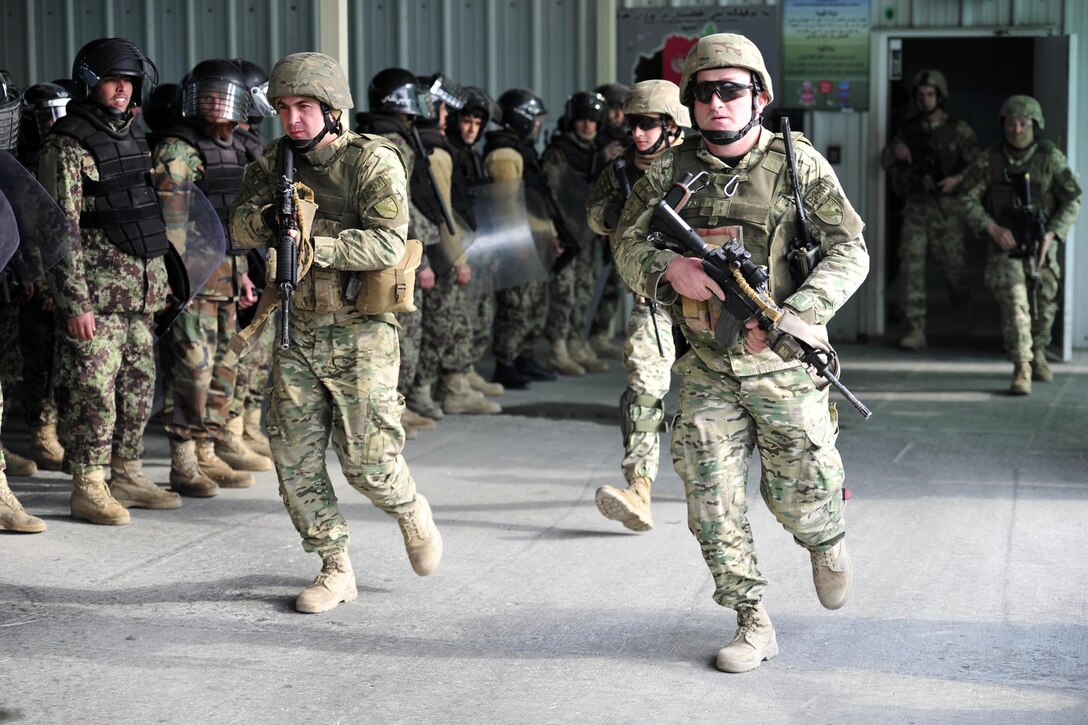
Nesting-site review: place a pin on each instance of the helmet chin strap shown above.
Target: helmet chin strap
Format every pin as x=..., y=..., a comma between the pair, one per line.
x=665, y=138
x=332, y=125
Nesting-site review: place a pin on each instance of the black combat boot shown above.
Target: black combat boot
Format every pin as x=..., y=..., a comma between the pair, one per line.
x=509, y=377
x=533, y=370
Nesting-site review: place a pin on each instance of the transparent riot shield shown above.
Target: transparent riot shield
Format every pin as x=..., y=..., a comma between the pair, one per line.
x=9, y=232
x=198, y=244
x=571, y=191
x=44, y=232
x=452, y=247
x=503, y=253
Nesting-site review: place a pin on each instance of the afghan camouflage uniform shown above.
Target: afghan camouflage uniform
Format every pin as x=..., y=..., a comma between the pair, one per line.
x=932, y=221
x=990, y=197
x=642, y=405
x=203, y=373
x=105, y=385
x=339, y=377
x=732, y=401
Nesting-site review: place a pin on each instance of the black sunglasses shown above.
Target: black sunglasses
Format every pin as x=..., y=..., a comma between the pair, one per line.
x=725, y=90
x=644, y=123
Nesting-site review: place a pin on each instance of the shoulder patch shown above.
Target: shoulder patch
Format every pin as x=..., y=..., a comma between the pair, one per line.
x=823, y=200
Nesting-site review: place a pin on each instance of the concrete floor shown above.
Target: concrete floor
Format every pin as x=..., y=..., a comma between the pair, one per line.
x=967, y=529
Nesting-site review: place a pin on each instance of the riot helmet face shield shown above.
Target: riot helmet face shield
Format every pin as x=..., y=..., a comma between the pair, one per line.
x=522, y=112
x=42, y=105
x=9, y=113
x=215, y=91
x=256, y=80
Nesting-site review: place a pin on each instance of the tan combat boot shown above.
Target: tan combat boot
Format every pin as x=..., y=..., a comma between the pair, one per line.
x=232, y=449
x=12, y=515
x=17, y=465
x=91, y=500
x=477, y=382
x=185, y=475
x=419, y=399
x=1040, y=368
x=832, y=573
x=253, y=433
x=335, y=584
x=604, y=347
x=629, y=506
x=583, y=354
x=415, y=420
x=560, y=359
x=1021, y=379
x=422, y=540
x=753, y=642
x=45, y=447
x=132, y=489
x=915, y=339
x=459, y=397
x=217, y=469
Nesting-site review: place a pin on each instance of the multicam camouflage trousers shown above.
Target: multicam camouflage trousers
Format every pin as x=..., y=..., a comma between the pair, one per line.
x=253, y=372
x=204, y=370
x=520, y=317
x=942, y=232
x=1005, y=278
x=648, y=374
x=104, y=390
x=722, y=419
x=338, y=380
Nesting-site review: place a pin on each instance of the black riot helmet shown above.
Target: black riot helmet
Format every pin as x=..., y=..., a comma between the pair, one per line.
x=162, y=109
x=520, y=110
x=478, y=103
x=396, y=90
x=215, y=90
x=43, y=104
x=586, y=106
x=615, y=94
x=257, y=82
x=9, y=112
x=113, y=57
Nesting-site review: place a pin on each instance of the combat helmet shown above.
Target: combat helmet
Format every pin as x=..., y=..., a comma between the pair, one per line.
x=113, y=57
x=9, y=112
x=43, y=104
x=317, y=76
x=657, y=99
x=257, y=83
x=725, y=50
x=931, y=78
x=215, y=90
x=520, y=109
x=396, y=90
x=1024, y=107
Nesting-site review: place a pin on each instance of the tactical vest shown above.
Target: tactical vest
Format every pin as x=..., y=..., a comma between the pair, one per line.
x=1001, y=199
x=581, y=158
x=471, y=164
x=325, y=289
x=933, y=149
x=224, y=167
x=251, y=142
x=532, y=174
x=125, y=205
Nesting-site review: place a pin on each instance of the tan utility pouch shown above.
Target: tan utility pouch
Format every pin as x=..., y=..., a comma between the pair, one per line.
x=392, y=289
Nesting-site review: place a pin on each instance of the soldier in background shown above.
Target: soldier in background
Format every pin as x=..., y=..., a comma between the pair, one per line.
x=656, y=118
x=107, y=290
x=613, y=136
x=206, y=452
x=925, y=160
x=735, y=398
x=338, y=379
x=996, y=205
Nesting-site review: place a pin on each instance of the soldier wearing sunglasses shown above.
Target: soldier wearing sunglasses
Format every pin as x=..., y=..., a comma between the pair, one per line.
x=735, y=398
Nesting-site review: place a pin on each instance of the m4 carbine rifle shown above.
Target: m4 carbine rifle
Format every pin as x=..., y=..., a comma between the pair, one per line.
x=286, y=279
x=746, y=294
x=1030, y=235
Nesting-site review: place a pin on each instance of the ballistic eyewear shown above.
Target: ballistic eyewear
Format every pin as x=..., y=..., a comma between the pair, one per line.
x=725, y=90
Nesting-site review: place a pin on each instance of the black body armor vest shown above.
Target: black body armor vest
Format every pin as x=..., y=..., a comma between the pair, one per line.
x=582, y=159
x=126, y=207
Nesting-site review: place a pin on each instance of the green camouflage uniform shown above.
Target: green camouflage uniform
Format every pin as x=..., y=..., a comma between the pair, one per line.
x=104, y=385
x=732, y=401
x=200, y=389
x=339, y=377
x=648, y=369
x=990, y=198
x=931, y=220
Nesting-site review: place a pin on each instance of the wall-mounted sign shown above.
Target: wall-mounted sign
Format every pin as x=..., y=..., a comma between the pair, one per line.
x=825, y=54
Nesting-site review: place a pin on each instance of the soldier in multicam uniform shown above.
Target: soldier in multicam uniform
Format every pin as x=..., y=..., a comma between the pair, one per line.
x=655, y=116
x=993, y=207
x=733, y=399
x=108, y=288
x=338, y=378
x=205, y=451
x=521, y=313
x=926, y=159
x=396, y=102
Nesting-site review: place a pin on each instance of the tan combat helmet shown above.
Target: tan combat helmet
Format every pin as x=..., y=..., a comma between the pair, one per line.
x=723, y=50
x=656, y=98
x=310, y=74
x=931, y=78
x=1024, y=107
